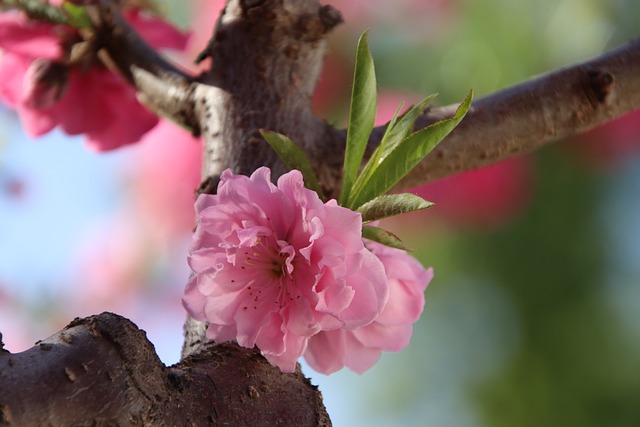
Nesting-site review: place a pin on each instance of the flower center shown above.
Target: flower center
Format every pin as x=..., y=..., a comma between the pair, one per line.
x=272, y=257
x=270, y=264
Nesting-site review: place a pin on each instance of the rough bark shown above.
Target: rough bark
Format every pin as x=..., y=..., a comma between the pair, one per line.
x=267, y=55
x=103, y=371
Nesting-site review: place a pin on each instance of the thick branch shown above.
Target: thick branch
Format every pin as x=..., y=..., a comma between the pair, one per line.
x=524, y=117
x=103, y=371
x=267, y=57
x=160, y=85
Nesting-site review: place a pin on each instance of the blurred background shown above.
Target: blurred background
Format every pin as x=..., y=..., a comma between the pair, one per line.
x=533, y=318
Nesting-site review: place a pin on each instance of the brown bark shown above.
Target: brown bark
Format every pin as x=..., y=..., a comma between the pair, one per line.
x=103, y=371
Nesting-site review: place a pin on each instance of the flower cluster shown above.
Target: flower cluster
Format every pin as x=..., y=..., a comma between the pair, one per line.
x=278, y=269
x=48, y=89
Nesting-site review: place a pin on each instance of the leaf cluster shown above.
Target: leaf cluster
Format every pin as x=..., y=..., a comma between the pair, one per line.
x=400, y=150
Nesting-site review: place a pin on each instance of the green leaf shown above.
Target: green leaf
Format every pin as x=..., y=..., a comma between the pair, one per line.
x=393, y=135
x=78, y=16
x=294, y=158
x=407, y=155
x=402, y=129
x=384, y=237
x=362, y=114
x=392, y=204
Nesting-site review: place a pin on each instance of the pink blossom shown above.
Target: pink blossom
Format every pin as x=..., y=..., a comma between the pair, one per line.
x=274, y=265
x=482, y=198
x=359, y=349
x=80, y=100
x=610, y=143
x=21, y=42
x=164, y=175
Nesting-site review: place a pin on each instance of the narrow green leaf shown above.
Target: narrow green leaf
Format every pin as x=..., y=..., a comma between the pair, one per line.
x=362, y=114
x=393, y=135
x=403, y=128
x=407, y=155
x=392, y=204
x=294, y=158
x=78, y=16
x=384, y=237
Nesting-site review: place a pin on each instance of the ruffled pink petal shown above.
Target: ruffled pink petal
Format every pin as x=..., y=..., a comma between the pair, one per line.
x=371, y=292
x=326, y=351
x=192, y=299
x=295, y=346
x=299, y=316
x=359, y=357
x=35, y=123
x=333, y=296
x=221, y=308
x=270, y=338
x=383, y=337
x=12, y=71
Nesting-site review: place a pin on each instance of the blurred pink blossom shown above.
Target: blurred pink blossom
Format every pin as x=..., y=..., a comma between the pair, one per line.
x=164, y=176
x=611, y=142
x=274, y=265
x=91, y=101
x=113, y=264
x=360, y=349
x=484, y=197
x=15, y=324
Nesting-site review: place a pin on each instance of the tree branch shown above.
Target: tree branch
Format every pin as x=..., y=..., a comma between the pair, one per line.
x=161, y=86
x=526, y=116
x=102, y=370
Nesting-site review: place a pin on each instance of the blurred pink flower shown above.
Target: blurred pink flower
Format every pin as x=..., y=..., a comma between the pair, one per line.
x=21, y=42
x=81, y=100
x=165, y=173
x=113, y=263
x=484, y=197
x=360, y=349
x=16, y=326
x=611, y=142
x=275, y=265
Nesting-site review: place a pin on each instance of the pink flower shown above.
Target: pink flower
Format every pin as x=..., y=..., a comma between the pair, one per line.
x=274, y=265
x=21, y=42
x=359, y=349
x=81, y=100
x=163, y=176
